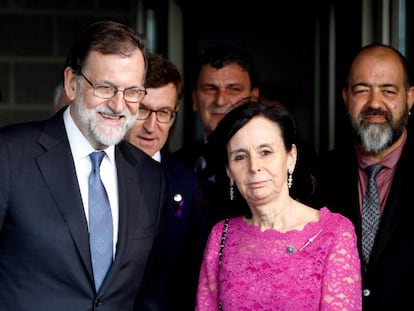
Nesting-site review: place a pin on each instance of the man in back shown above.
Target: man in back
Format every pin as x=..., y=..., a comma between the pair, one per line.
x=224, y=74
x=188, y=223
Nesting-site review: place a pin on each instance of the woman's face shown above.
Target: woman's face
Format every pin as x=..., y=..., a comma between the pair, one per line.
x=258, y=161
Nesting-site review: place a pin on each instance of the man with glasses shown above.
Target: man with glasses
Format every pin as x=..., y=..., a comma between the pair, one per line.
x=82, y=212
x=108, y=91
x=188, y=223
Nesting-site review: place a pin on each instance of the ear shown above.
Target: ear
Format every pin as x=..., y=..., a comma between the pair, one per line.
x=194, y=100
x=291, y=159
x=255, y=92
x=410, y=97
x=344, y=95
x=229, y=176
x=70, y=83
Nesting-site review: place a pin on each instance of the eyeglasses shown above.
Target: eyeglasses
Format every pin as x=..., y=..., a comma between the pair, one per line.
x=108, y=91
x=163, y=115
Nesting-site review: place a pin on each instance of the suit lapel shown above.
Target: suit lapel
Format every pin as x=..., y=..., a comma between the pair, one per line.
x=56, y=164
x=127, y=180
x=395, y=210
x=129, y=194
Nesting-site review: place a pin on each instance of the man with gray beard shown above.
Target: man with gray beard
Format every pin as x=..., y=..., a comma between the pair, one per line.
x=378, y=97
x=82, y=212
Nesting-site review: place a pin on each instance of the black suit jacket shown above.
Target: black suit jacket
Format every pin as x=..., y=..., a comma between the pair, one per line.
x=44, y=245
x=189, y=223
x=215, y=184
x=389, y=279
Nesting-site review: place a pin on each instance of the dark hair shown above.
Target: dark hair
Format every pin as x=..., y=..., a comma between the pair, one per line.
x=107, y=37
x=239, y=116
x=161, y=72
x=403, y=60
x=222, y=54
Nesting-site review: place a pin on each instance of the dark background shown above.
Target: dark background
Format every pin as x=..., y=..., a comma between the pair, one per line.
x=294, y=44
x=297, y=46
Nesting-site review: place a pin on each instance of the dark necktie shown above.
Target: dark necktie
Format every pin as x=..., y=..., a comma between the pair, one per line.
x=100, y=222
x=370, y=211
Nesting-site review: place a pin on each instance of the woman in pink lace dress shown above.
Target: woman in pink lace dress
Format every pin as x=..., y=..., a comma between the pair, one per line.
x=285, y=255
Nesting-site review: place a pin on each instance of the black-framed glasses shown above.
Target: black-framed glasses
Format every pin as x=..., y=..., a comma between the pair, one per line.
x=108, y=91
x=162, y=115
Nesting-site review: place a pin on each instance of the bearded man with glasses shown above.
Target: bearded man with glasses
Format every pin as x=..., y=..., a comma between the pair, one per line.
x=82, y=212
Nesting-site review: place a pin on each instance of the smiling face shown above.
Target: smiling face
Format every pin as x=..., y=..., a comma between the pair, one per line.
x=258, y=161
x=150, y=135
x=377, y=99
x=104, y=122
x=217, y=90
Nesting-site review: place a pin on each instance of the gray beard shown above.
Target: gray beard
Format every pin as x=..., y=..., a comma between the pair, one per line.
x=375, y=138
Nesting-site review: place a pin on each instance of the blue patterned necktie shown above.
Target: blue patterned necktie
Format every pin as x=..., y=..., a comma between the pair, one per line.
x=100, y=222
x=370, y=211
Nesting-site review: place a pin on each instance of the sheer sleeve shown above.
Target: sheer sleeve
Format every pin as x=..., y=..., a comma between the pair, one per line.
x=317, y=268
x=342, y=288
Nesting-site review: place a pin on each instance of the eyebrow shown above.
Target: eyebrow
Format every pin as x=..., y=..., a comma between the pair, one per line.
x=104, y=82
x=370, y=84
x=161, y=108
x=237, y=150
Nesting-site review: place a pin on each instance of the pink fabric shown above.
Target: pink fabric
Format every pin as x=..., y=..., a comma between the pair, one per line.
x=259, y=273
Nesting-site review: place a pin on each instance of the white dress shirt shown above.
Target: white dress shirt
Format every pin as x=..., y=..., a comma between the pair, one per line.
x=81, y=149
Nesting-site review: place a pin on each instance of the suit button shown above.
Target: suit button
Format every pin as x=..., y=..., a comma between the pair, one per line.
x=98, y=303
x=366, y=292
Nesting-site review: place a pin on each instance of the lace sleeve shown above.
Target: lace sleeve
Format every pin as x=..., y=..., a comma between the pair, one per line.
x=208, y=285
x=342, y=289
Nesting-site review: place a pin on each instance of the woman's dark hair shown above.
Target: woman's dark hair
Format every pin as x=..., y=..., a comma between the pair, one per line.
x=239, y=116
x=232, y=122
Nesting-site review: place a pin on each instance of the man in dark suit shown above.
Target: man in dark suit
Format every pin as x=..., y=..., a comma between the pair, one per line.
x=378, y=96
x=224, y=74
x=46, y=262
x=188, y=220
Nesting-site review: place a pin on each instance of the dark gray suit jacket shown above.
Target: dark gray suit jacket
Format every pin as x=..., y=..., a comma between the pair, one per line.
x=44, y=248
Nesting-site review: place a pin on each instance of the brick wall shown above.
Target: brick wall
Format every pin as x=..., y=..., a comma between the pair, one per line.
x=34, y=38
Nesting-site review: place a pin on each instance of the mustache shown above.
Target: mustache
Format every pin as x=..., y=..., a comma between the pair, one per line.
x=108, y=111
x=373, y=112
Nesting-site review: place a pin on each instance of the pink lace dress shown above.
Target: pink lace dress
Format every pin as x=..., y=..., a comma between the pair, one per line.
x=317, y=268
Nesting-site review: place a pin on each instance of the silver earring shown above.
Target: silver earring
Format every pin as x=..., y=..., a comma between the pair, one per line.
x=290, y=180
x=231, y=192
